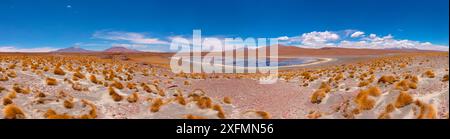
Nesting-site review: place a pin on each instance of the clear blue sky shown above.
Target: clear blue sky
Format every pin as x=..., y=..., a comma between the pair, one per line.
x=64, y=23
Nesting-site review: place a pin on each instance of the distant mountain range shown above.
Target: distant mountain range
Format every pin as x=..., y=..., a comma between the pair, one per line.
x=73, y=50
x=109, y=50
x=282, y=50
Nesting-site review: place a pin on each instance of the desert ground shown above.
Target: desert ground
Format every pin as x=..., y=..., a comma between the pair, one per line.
x=357, y=84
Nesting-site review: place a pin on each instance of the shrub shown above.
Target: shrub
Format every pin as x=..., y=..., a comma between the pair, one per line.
x=403, y=99
x=317, y=96
x=133, y=97
x=51, y=81
x=11, y=111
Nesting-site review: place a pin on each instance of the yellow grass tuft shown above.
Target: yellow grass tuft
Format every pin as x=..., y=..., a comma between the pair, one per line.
x=445, y=78
x=133, y=97
x=7, y=101
x=157, y=103
x=374, y=91
x=317, y=96
x=227, y=100
x=429, y=74
x=180, y=99
x=131, y=85
x=117, y=85
x=403, y=99
x=114, y=95
x=79, y=75
x=68, y=104
x=363, y=83
x=220, y=112
x=204, y=102
x=51, y=81
x=387, y=79
x=190, y=116
x=405, y=85
x=93, y=79
x=263, y=114
x=363, y=101
x=59, y=71
x=13, y=112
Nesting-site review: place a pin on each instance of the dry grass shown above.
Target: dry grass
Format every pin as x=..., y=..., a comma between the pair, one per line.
x=204, y=102
x=227, y=100
x=157, y=103
x=59, y=71
x=190, y=116
x=220, y=112
x=317, y=96
x=7, y=101
x=68, y=104
x=12, y=111
x=51, y=81
x=429, y=74
x=389, y=79
x=133, y=97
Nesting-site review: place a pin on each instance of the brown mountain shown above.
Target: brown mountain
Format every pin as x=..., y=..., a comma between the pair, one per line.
x=73, y=50
x=121, y=50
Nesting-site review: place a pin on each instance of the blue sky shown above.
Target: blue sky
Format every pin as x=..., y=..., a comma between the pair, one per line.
x=34, y=25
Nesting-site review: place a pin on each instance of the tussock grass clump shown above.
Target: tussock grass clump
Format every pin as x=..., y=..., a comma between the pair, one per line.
x=405, y=85
x=11, y=95
x=445, y=78
x=79, y=75
x=20, y=89
x=190, y=116
x=131, y=85
x=317, y=96
x=59, y=71
x=227, y=100
x=363, y=83
x=314, y=115
x=114, y=95
x=220, y=112
x=51, y=114
x=204, y=102
x=117, y=85
x=374, y=91
x=51, y=81
x=11, y=74
x=325, y=87
x=93, y=79
x=186, y=82
x=403, y=99
x=263, y=114
x=429, y=74
x=11, y=111
x=68, y=104
x=133, y=97
x=7, y=101
x=427, y=111
x=363, y=99
x=180, y=99
x=157, y=103
x=389, y=79
x=4, y=77
x=92, y=113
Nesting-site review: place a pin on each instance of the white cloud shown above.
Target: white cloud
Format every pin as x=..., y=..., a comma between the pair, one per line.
x=132, y=37
x=15, y=49
x=283, y=38
x=132, y=46
x=372, y=41
x=318, y=38
x=357, y=34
